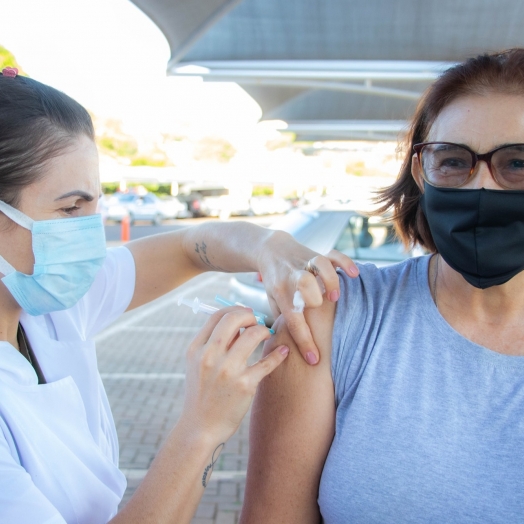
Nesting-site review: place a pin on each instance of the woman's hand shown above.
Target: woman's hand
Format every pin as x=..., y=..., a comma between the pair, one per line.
x=282, y=266
x=219, y=389
x=220, y=385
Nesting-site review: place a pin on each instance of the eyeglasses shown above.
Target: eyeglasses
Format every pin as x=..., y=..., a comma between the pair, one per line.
x=445, y=164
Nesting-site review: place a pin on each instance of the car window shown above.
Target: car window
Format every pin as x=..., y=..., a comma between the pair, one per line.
x=148, y=199
x=372, y=239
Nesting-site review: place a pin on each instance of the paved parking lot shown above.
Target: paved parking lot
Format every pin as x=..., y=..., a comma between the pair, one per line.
x=141, y=359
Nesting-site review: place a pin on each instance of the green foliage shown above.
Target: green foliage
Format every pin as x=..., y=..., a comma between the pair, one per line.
x=146, y=161
x=262, y=191
x=117, y=146
x=108, y=188
x=158, y=189
x=7, y=59
x=163, y=189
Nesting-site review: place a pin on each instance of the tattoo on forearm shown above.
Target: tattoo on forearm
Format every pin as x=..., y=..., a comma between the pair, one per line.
x=209, y=467
x=201, y=250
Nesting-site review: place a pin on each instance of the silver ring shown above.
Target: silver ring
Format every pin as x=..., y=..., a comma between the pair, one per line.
x=311, y=268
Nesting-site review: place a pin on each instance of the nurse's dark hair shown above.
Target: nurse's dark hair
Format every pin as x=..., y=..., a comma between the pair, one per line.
x=37, y=123
x=501, y=72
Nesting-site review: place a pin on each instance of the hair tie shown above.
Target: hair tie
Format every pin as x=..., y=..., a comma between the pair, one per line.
x=10, y=72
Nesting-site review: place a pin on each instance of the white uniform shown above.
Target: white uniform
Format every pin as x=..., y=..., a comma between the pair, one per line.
x=58, y=443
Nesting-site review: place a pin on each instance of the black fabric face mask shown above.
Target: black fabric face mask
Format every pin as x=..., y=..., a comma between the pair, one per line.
x=478, y=232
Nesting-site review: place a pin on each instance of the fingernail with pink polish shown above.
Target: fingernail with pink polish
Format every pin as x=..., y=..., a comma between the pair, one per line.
x=284, y=350
x=311, y=358
x=334, y=295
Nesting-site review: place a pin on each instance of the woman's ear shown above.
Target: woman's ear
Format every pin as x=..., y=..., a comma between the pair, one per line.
x=416, y=172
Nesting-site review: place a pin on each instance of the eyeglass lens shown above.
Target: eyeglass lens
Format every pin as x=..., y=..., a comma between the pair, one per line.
x=450, y=165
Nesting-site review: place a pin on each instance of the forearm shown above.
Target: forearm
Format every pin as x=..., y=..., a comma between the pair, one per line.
x=174, y=484
x=229, y=247
x=166, y=261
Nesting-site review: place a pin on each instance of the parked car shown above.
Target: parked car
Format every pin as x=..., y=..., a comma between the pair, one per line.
x=150, y=207
x=171, y=207
x=268, y=205
x=216, y=202
x=195, y=204
x=364, y=239
x=111, y=209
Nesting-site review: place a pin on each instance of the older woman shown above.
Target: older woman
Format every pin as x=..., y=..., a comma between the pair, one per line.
x=59, y=288
x=418, y=406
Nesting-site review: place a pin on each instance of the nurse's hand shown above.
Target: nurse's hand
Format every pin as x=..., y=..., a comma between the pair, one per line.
x=282, y=266
x=220, y=384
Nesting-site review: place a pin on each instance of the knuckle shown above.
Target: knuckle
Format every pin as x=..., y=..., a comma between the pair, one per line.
x=216, y=316
x=265, y=364
x=225, y=374
x=330, y=279
x=207, y=362
x=244, y=385
x=238, y=315
x=257, y=332
x=305, y=279
x=315, y=301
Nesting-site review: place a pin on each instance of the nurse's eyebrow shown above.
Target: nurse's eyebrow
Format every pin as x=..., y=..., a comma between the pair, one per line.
x=82, y=194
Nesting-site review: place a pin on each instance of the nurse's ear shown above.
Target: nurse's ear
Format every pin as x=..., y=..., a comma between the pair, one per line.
x=416, y=172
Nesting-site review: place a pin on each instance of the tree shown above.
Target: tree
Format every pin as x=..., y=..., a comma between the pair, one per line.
x=7, y=59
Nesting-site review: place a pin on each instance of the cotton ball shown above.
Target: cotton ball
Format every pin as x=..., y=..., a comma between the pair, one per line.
x=298, y=302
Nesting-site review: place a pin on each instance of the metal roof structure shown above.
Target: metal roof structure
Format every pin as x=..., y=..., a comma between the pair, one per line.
x=332, y=68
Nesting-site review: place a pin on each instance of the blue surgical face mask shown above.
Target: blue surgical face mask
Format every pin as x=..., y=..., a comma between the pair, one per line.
x=68, y=254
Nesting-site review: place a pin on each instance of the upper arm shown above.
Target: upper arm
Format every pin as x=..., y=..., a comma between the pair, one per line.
x=292, y=427
x=107, y=298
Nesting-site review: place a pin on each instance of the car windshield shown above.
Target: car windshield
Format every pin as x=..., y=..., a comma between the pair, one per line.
x=363, y=238
x=372, y=239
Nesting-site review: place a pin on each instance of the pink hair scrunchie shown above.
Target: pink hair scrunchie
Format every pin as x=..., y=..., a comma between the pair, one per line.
x=10, y=72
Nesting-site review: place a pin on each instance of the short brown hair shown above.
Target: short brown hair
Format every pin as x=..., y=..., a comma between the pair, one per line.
x=498, y=72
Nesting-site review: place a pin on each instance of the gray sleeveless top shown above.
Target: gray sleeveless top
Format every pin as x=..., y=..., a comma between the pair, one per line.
x=429, y=426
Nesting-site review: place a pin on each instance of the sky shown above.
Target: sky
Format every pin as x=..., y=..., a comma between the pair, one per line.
x=112, y=58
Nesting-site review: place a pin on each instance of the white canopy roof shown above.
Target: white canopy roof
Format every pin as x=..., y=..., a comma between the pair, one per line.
x=333, y=68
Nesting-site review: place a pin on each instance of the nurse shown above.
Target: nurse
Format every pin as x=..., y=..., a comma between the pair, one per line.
x=59, y=288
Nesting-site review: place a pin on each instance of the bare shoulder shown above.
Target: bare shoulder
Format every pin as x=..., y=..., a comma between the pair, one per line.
x=292, y=426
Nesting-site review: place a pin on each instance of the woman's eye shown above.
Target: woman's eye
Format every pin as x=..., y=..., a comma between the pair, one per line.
x=453, y=162
x=69, y=210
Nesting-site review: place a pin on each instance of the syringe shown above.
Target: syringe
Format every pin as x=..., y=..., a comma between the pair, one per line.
x=199, y=307
x=258, y=315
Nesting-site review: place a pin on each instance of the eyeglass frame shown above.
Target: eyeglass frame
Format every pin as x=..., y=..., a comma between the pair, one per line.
x=475, y=157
